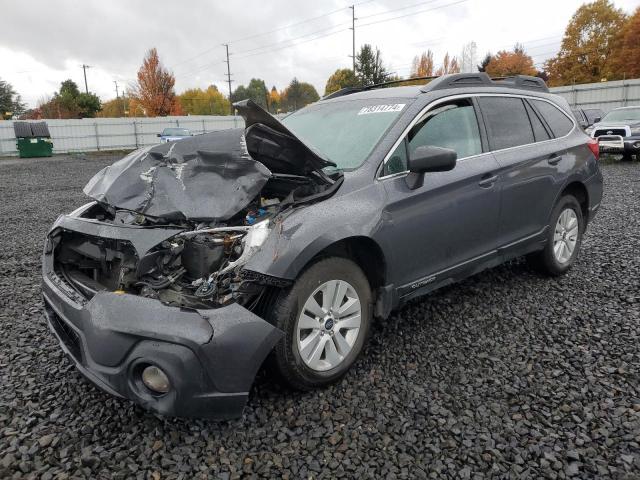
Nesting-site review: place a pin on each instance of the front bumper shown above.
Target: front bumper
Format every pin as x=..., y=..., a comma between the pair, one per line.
x=619, y=144
x=211, y=356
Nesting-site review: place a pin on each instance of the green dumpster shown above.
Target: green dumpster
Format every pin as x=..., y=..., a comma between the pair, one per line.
x=33, y=139
x=35, y=147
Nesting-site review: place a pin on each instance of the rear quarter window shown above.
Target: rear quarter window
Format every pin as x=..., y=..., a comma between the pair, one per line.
x=558, y=122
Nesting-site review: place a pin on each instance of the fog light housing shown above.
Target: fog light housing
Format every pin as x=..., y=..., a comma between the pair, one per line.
x=155, y=379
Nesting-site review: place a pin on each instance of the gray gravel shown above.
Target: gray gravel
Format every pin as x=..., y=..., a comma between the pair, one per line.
x=505, y=375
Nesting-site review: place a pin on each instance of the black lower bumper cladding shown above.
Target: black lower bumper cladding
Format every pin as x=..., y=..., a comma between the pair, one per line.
x=210, y=356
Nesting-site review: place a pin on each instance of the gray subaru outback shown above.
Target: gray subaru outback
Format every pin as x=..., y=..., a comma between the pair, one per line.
x=196, y=261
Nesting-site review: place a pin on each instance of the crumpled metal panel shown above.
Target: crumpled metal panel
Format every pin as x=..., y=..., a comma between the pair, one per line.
x=206, y=177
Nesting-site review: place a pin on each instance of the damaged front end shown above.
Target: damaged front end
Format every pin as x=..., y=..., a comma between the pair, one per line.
x=224, y=191
x=151, y=272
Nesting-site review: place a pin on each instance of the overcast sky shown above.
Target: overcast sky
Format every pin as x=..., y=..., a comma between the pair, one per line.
x=43, y=42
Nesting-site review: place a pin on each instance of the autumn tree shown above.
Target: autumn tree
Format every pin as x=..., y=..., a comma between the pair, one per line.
x=369, y=67
x=274, y=100
x=422, y=65
x=341, y=78
x=449, y=65
x=10, y=101
x=154, y=91
x=210, y=101
x=297, y=95
x=515, y=62
x=589, y=41
x=626, y=58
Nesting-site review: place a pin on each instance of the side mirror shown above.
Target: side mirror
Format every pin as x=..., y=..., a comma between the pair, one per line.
x=428, y=159
x=596, y=119
x=158, y=134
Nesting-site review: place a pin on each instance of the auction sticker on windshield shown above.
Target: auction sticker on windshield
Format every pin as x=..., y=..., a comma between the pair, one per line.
x=394, y=107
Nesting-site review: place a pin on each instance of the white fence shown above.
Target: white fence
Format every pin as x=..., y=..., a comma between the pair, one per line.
x=604, y=95
x=96, y=134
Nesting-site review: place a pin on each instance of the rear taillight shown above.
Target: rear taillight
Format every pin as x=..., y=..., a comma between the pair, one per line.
x=594, y=147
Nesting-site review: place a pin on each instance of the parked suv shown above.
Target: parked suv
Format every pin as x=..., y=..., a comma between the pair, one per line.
x=619, y=132
x=587, y=116
x=199, y=259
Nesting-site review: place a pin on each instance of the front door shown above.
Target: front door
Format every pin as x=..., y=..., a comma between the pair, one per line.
x=450, y=221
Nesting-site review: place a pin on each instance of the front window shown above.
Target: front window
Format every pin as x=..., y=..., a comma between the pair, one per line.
x=622, y=115
x=453, y=125
x=345, y=131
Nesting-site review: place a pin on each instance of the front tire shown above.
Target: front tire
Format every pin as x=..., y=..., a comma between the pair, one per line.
x=564, y=238
x=325, y=317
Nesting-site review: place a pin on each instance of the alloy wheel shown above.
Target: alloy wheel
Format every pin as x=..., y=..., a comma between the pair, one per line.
x=565, y=236
x=328, y=325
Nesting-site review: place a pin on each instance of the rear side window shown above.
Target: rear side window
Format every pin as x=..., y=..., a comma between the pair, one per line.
x=558, y=122
x=507, y=122
x=539, y=132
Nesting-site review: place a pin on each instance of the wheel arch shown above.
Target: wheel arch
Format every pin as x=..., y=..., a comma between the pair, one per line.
x=578, y=189
x=364, y=251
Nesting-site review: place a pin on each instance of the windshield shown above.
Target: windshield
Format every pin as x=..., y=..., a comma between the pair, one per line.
x=175, y=132
x=622, y=115
x=345, y=132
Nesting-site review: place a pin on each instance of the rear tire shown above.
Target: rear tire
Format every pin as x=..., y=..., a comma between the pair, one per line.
x=325, y=329
x=627, y=157
x=564, y=238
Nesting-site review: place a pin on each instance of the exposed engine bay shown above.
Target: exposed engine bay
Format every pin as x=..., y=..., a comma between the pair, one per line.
x=203, y=206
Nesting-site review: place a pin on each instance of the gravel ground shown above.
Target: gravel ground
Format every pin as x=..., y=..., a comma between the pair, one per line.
x=505, y=375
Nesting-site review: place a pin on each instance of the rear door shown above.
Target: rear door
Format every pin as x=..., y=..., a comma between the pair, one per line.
x=528, y=156
x=452, y=219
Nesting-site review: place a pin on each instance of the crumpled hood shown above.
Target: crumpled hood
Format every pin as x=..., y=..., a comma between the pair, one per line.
x=205, y=177
x=211, y=176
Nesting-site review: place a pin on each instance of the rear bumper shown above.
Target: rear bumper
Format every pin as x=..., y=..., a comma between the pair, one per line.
x=210, y=356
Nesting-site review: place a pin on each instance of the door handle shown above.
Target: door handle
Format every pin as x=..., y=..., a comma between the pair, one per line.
x=554, y=159
x=488, y=180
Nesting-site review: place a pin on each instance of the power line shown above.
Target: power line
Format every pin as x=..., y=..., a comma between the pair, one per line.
x=285, y=27
x=397, y=9
x=412, y=13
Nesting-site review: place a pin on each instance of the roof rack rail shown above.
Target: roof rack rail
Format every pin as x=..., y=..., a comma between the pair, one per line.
x=455, y=80
x=349, y=90
x=482, y=79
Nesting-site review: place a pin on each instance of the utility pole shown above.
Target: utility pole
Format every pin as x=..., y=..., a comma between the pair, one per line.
x=226, y=45
x=116, y=84
x=84, y=69
x=353, y=31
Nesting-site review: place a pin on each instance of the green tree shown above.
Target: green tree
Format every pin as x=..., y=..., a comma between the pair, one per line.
x=341, y=78
x=10, y=102
x=88, y=105
x=369, y=67
x=297, y=95
x=485, y=61
x=590, y=39
x=256, y=91
x=68, y=102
